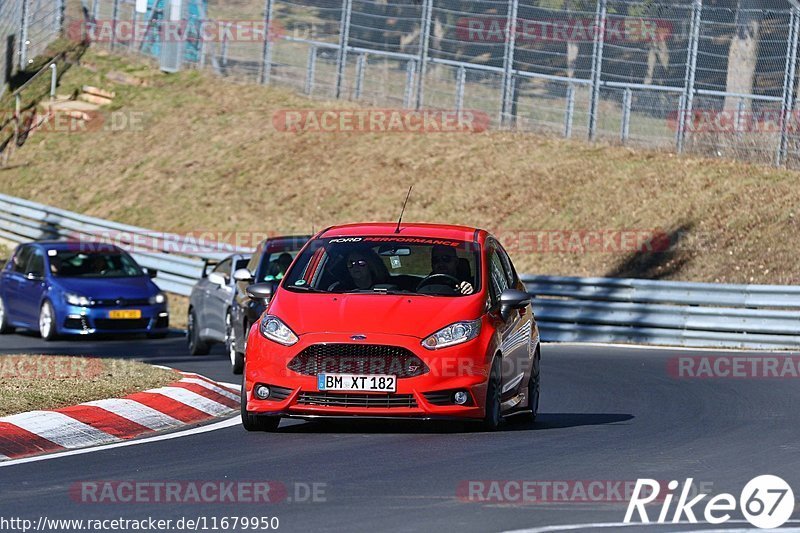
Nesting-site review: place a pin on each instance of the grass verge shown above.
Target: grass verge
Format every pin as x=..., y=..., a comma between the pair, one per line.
x=204, y=156
x=29, y=382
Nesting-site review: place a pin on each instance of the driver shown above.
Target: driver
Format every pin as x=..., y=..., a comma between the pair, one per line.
x=444, y=260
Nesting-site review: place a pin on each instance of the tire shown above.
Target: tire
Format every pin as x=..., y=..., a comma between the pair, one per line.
x=534, y=387
x=47, y=322
x=236, y=357
x=256, y=422
x=4, y=327
x=195, y=344
x=493, y=418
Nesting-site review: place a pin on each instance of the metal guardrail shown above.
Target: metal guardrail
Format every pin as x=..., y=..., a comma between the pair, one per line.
x=666, y=312
x=179, y=259
x=568, y=309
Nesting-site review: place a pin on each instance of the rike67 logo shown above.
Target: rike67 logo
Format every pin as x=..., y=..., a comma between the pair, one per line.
x=766, y=502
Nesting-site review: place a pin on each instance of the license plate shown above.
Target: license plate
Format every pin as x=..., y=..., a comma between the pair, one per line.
x=125, y=314
x=356, y=382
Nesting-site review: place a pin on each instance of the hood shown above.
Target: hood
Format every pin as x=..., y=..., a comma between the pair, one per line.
x=101, y=288
x=415, y=316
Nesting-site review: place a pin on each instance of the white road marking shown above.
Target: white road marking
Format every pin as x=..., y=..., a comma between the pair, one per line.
x=178, y=434
x=193, y=399
x=59, y=428
x=209, y=386
x=606, y=525
x=137, y=412
x=671, y=348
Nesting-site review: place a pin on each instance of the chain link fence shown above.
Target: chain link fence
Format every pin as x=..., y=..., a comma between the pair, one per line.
x=715, y=78
x=26, y=28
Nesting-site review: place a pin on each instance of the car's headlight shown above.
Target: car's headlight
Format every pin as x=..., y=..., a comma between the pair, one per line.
x=275, y=330
x=77, y=299
x=453, y=334
x=159, y=298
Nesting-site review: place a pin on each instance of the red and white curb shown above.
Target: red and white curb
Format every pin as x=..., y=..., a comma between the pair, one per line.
x=191, y=400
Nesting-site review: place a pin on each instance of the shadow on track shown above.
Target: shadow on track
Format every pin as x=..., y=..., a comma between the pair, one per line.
x=544, y=422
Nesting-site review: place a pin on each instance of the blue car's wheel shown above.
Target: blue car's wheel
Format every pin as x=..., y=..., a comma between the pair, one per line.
x=4, y=327
x=47, y=321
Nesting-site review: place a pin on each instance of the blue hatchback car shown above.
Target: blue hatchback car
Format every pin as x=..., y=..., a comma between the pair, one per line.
x=78, y=288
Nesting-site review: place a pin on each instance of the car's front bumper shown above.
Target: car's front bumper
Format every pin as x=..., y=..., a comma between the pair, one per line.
x=458, y=368
x=75, y=320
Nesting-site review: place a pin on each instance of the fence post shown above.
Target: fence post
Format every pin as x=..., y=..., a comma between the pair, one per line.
x=60, y=17
x=344, y=42
x=224, y=51
x=627, y=96
x=311, y=69
x=570, y=111
x=408, y=92
x=685, y=109
x=424, y=44
x=460, y=83
x=597, y=65
x=23, y=32
x=787, y=104
x=53, y=80
x=114, y=23
x=508, y=63
x=361, y=69
x=266, y=52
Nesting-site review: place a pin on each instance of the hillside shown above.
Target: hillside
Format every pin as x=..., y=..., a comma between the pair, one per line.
x=208, y=158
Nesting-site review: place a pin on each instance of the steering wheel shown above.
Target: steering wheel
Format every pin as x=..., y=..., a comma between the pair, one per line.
x=431, y=279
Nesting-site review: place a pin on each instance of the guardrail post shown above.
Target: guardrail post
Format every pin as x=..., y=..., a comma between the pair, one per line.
x=408, y=91
x=627, y=96
x=311, y=69
x=23, y=32
x=597, y=65
x=787, y=104
x=570, y=111
x=266, y=52
x=53, y=80
x=344, y=43
x=361, y=68
x=461, y=80
x=424, y=45
x=687, y=101
x=508, y=63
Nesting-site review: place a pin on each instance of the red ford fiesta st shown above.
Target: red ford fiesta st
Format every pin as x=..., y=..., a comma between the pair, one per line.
x=378, y=320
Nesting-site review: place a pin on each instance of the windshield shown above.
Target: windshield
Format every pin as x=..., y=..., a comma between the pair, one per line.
x=82, y=264
x=391, y=265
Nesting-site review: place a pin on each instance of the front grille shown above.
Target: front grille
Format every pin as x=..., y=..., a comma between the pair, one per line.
x=162, y=322
x=278, y=394
x=121, y=302
x=367, y=359
x=440, y=398
x=379, y=401
x=121, y=325
x=76, y=323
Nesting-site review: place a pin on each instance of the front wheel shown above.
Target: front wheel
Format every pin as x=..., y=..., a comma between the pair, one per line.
x=534, y=388
x=236, y=357
x=47, y=321
x=493, y=417
x=256, y=422
x=4, y=327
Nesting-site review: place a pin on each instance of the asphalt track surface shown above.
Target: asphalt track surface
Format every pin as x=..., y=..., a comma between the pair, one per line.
x=607, y=413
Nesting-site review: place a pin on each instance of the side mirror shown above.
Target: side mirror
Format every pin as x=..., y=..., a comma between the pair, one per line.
x=261, y=291
x=151, y=272
x=217, y=279
x=512, y=299
x=243, y=275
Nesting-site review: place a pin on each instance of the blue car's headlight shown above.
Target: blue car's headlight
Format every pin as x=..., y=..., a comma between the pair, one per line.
x=275, y=330
x=158, y=299
x=453, y=334
x=76, y=299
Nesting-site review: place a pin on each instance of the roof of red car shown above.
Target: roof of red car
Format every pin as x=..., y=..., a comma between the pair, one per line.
x=441, y=231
